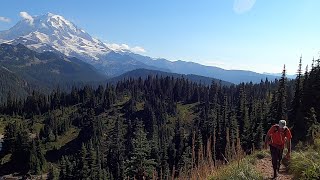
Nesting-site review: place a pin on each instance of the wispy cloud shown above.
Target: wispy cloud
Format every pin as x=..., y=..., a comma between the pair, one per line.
x=4, y=19
x=242, y=6
x=27, y=17
x=138, y=49
x=125, y=47
x=221, y=64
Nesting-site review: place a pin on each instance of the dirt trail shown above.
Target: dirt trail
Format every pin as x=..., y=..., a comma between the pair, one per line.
x=264, y=166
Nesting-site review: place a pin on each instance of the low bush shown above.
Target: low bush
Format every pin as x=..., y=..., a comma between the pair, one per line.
x=237, y=171
x=306, y=164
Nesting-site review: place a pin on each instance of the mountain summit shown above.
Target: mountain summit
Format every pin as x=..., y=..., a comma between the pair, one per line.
x=57, y=32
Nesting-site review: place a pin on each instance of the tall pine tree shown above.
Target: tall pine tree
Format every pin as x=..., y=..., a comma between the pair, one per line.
x=140, y=165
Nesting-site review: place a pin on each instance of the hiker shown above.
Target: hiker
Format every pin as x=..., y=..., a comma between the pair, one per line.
x=277, y=136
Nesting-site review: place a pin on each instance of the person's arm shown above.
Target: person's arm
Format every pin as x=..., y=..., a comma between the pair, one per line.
x=288, y=155
x=289, y=137
x=267, y=138
x=266, y=141
x=289, y=146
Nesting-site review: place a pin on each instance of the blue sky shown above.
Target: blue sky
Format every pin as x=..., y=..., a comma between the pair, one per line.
x=257, y=35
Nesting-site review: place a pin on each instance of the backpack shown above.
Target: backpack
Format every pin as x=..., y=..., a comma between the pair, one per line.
x=277, y=136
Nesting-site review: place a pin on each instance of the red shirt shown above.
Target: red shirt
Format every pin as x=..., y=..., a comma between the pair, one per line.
x=279, y=136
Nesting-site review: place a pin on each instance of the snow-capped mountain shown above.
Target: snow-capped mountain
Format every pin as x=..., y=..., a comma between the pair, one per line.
x=52, y=32
x=57, y=32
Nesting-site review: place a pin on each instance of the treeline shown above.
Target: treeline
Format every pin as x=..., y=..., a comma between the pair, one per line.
x=305, y=108
x=26, y=152
x=157, y=127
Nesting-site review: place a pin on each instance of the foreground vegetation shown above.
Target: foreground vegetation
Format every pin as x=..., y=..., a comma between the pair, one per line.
x=238, y=170
x=305, y=162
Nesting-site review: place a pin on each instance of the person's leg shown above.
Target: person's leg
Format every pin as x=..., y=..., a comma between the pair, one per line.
x=274, y=157
x=279, y=158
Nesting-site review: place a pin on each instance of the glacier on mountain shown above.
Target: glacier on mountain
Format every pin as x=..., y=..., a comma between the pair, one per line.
x=60, y=34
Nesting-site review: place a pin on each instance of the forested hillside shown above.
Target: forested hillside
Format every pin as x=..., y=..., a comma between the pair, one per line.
x=23, y=70
x=157, y=127
x=9, y=82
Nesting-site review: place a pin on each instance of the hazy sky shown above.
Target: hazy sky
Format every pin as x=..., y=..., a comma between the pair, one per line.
x=258, y=35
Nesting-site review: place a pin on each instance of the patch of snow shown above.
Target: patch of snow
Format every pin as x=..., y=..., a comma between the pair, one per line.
x=66, y=59
x=44, y=25
x=6, y=69
x=56, y=71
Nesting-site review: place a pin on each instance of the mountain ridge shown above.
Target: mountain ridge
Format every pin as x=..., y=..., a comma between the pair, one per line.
x=144, y=73
x=184, y=67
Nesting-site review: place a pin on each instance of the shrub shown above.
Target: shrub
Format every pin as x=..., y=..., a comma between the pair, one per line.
x=262, y=154
x=238, y=171
x=306, y=164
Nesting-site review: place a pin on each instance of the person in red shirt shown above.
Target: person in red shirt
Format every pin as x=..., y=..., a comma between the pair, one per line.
x=277, y=136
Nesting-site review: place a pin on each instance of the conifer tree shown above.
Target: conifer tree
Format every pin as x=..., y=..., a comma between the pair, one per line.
x=178, y=142
x=18, y=143
x=228, y=151
x=140, y=165
x=185, y=163
x=278, y=107
x=313, y=125
x=33, y=159
x=234, y=127
x=281, y=112
x=83, y=164
x=258, y=135
x=70, y=169
x=63, y=167
x=51, y=173
x=10, y=135
x=36, y=157
x=246, y=138
x=295, y=115
x=92, y=162
x=117, y=150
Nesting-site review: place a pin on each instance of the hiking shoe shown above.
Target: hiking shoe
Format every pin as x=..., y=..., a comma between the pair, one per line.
x=278, y=169
x=275, y=175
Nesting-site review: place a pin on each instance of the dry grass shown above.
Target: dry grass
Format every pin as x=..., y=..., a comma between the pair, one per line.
x=238, y=166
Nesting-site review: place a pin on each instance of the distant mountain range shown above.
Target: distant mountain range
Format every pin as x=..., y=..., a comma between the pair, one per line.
x=144, y=73
x=183, y=67
x=53, y=33
x=279, y=75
